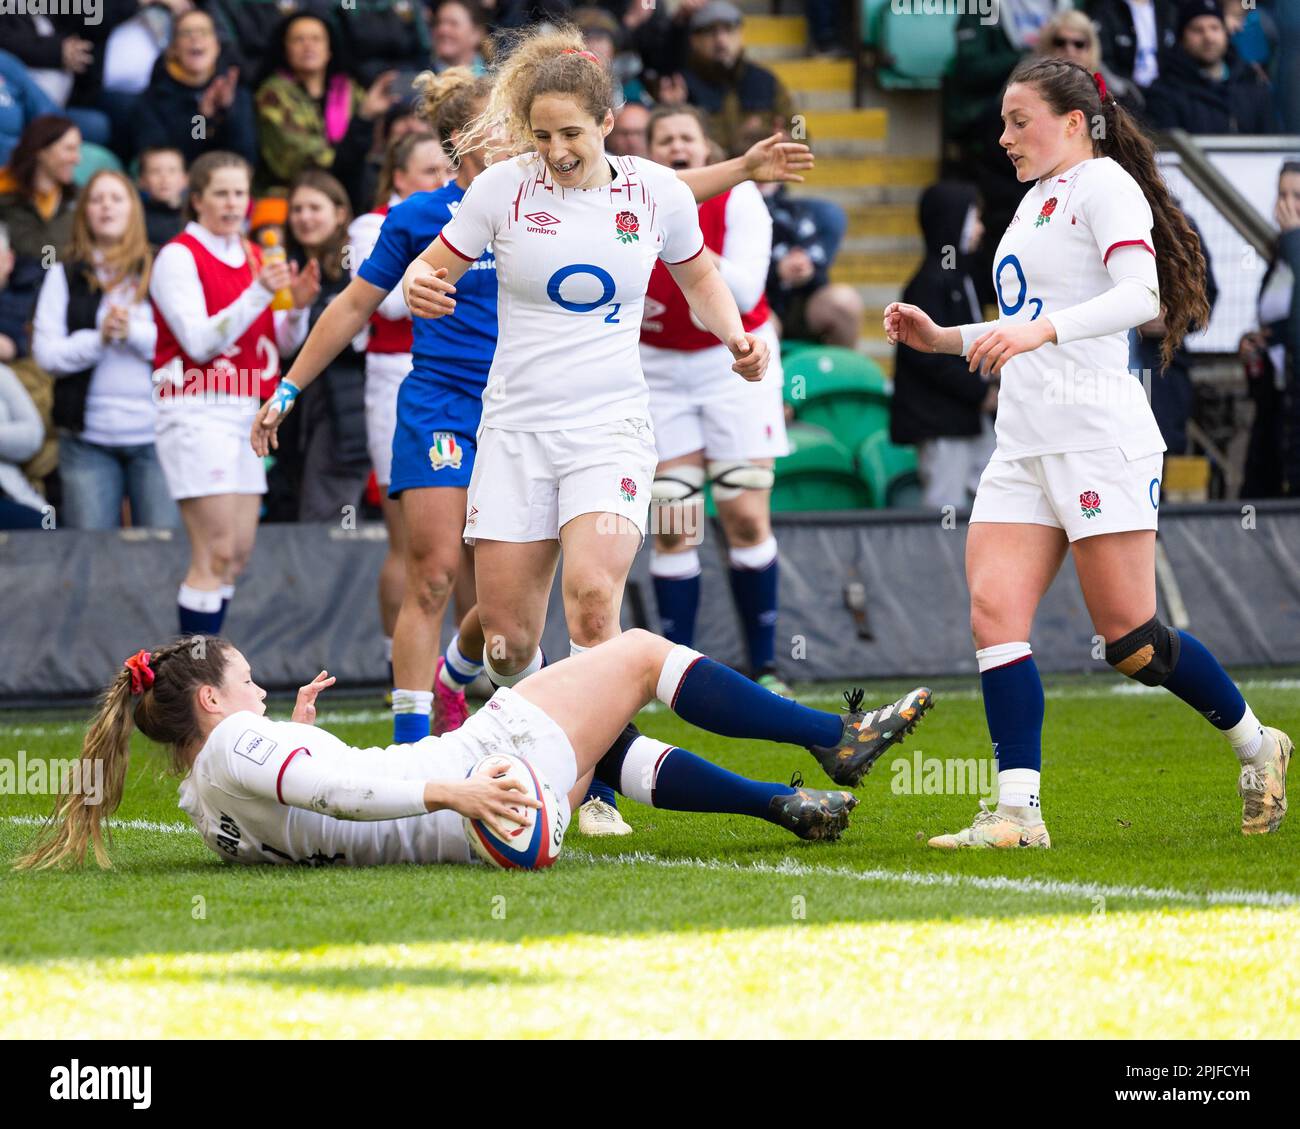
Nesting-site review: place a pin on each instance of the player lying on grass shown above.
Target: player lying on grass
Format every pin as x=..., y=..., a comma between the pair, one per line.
x=276, y=791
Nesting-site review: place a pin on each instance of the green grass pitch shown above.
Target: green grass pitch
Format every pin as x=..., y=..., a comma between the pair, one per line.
x=1151, y=916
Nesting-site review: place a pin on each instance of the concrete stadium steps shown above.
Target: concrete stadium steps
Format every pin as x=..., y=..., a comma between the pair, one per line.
x=881, y=221
x=874, y=160
x=874, y=268
x=883, y=171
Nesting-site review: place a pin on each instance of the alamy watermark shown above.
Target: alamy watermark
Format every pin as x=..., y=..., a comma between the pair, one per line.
x=91, y=11
x=988, y=11
x=46, y=777
x=943, y=776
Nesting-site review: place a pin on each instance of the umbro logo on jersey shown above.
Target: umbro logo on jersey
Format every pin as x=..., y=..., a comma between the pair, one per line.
x=473, y=516
x=542, y=223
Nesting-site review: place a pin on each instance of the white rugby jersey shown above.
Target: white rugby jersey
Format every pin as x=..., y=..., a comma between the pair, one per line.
x=572, y=270
x=243, y=792
x=1078, y=396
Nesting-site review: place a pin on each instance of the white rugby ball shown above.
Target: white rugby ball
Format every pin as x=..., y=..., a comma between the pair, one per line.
x=533, y=847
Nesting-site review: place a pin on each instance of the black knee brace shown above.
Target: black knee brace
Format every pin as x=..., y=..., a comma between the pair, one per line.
x=1147, y=654
x=609, y=769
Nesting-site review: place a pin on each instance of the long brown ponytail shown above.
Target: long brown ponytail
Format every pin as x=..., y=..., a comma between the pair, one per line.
x=163, y=711
x=1180, y=264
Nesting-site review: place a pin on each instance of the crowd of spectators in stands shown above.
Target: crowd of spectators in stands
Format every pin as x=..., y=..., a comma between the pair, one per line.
x=312, y=94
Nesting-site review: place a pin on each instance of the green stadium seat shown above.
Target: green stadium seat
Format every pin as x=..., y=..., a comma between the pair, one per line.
x=889, y=472
x=871, y=10
x=93, y=159
x=817, y=474
x=840, y=390
x=916, y=50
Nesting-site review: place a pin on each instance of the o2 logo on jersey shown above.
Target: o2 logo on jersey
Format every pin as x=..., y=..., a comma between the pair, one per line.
x=1154, y=491
x=1022, y=293
x=607, y=290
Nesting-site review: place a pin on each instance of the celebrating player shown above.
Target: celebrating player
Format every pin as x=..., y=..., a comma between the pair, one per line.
x=706, y=423
x=439, y=405
x=217, y=355
x=414, y=162
x=566, y=453
x=1096, y=247
x=285, y=792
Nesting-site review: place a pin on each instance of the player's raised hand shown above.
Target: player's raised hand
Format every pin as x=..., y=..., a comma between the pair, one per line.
x=304, y=709
x=427, y=291
x=751, y=355
x=995, y=348
x=495, y=800
x=775, y=158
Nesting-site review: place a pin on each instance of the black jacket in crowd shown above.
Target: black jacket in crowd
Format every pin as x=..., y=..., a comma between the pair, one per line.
x=1183, y=98
x=1113, y=20
x=935, y=395
x=164, y=117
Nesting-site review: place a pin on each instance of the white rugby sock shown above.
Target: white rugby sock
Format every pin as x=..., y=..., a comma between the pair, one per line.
x=1018, y=795
x=640, y=766
x=577, y=649
x=500, y=679
x=1246, y=737
x=413, y=701
x=457, y=671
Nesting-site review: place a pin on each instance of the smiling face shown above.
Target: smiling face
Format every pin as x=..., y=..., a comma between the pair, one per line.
x=307, y=47
x=313, y=216
x=1039, y=142
x=108, y=209
x=238, y=691
x=59, y=160
x=194, y=44
x=679, y=142
x=223, y=204
x=456, y=38
x=570, y=141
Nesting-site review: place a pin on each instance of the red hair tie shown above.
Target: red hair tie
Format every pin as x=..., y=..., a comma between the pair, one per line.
x=1101, y=85
x=141, y=674
x=584, y=54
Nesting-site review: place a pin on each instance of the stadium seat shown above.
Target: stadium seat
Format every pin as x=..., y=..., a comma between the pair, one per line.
x=93, y=159
x=915, y=49
x=840, y=390
x=889, y=473
x=871, y=10
x=817, y=474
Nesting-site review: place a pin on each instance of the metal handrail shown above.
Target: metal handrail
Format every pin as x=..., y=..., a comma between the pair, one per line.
x=1218, y=189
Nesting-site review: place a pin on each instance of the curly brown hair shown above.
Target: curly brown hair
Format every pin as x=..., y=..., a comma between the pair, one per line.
x=1180, y=264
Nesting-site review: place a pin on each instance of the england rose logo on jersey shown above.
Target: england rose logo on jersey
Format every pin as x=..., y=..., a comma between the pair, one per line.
x=1045, y=216
x=1090, y=503
x=627, y=226
x=627, y=488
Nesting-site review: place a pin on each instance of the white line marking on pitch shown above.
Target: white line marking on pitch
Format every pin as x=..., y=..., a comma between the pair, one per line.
x=791, y=869
x=1040, y=886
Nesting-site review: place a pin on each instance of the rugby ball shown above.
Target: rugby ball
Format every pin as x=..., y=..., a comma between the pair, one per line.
x=533, y=847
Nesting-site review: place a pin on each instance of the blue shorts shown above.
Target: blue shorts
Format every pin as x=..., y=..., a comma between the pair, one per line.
x=436, y=435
